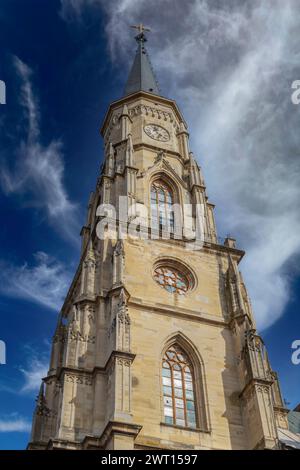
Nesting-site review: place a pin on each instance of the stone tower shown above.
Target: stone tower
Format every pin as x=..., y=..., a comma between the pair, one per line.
x=156, y=345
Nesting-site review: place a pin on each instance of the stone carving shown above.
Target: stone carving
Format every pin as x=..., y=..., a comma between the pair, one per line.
x=111, y=160
x=123, y=362
x=75, y=335
x=119, y=248
x=79, y=379
x=41, y=404
x=262, y=389
x=159, y=157
x=154, y=113
x=234, y=295
x=121, y=323
x=120, y=157
x=91, y=314
x=118, y=263
x=59, y=338
x=89, y=263
x=142, y=110
x=129, y=151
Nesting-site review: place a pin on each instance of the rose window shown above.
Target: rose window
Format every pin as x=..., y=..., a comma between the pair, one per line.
x=171, y=279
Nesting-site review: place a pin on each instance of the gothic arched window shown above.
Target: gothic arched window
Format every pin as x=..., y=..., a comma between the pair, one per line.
x=178, y=388
x=162, y=215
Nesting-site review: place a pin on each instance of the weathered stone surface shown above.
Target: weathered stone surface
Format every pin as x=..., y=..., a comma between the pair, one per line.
x=104, y=387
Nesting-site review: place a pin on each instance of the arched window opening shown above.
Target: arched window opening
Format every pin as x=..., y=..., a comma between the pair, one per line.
x=178, y=388
x=162, y=214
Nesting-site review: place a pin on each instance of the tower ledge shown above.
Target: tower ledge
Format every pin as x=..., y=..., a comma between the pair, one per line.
x=140, y=94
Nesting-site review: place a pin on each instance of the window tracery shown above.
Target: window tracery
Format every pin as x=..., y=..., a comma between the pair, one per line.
x=178, y=388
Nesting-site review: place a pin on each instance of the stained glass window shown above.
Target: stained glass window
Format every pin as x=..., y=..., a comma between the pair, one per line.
x=171, y=279
x=162, y=214
x=178, y=388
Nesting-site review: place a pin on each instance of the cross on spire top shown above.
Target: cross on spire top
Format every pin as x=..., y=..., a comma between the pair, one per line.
x=140, y=27
x=141, y=76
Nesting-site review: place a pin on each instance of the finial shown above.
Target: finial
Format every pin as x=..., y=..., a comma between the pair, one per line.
x=141, y=29
x=122, y=298
x=41, y=391
x=159, y=156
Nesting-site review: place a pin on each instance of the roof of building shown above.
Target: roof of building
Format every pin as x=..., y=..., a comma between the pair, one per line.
x=294, y=420
x=141, y=76
x=289, y=439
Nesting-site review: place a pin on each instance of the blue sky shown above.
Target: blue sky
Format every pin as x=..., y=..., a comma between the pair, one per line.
x=63, y=62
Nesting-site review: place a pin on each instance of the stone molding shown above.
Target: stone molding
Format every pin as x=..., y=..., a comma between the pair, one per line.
x=113, y=427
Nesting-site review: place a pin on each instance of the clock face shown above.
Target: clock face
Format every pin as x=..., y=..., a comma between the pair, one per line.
x=157, y=132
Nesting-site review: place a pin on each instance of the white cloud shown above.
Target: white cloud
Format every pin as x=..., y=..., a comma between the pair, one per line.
x=35, y=370
x=35, y=367
x=230, y=65
x=39, y=169
x=13, y=423
x=45, y=282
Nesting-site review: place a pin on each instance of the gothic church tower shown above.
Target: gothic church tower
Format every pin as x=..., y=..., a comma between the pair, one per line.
x=156, y=345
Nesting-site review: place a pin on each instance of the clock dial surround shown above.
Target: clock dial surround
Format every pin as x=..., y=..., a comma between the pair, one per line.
x=156, y=132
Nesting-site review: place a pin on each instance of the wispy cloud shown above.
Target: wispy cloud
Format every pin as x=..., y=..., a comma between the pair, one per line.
x=35, y=365
x=230, y=66
x=14, y=423
x=39, y=170
x=36, y=368
x=45, y=282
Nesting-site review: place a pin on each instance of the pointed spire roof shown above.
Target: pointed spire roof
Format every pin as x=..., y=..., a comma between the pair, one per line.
x=141, y=76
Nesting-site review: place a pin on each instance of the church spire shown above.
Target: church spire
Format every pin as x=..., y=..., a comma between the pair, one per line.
x=141, y=76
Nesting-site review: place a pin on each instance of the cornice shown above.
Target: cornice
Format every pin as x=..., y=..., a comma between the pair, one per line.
x=169, y=152
x=172, y=310
x=140, y=94
x=256, y=382
x=112, y=427
x=123, y=355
